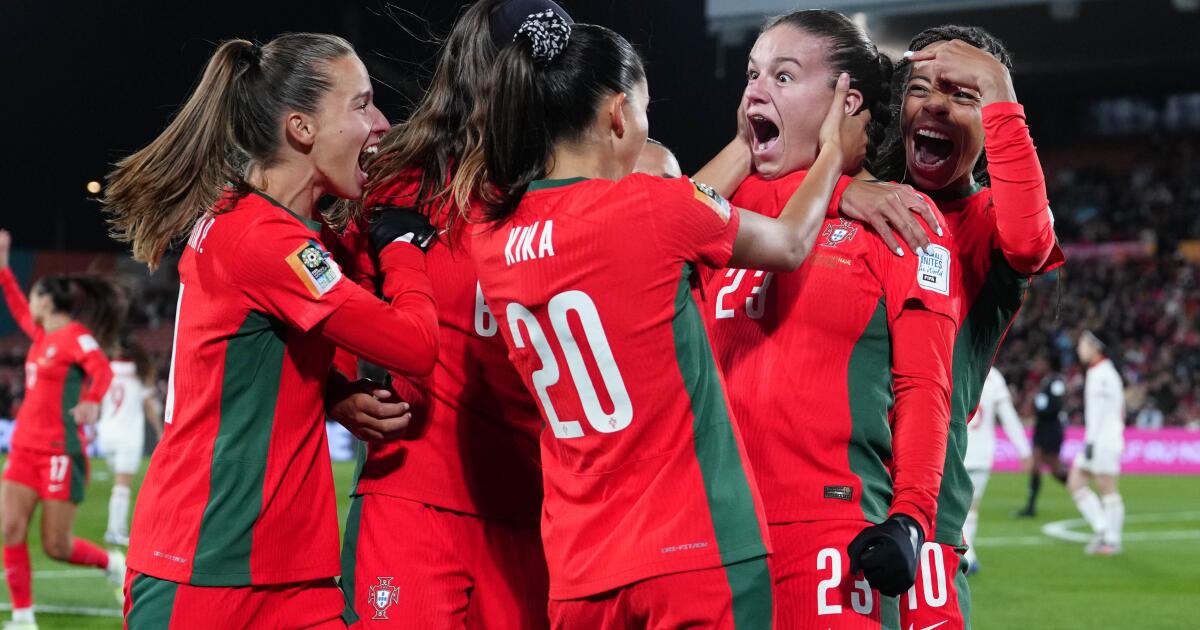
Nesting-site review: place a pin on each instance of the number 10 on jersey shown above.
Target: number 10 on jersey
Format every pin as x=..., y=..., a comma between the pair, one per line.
x=559, y=310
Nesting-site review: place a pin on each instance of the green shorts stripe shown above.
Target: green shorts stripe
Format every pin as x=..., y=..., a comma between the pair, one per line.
x=963, y=590
x=153, y=603
x=79, y=474
x=350, y=558
x=750, y=582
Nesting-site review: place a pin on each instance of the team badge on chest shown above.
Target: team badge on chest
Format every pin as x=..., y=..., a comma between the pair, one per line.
x=835, y=234
x=382, y=596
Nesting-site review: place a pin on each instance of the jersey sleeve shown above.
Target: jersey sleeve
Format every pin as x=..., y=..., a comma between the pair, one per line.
x=921, y=294
x=288, y=273
x=17, y=305
x=689, y=220
x=86, y=352
x=1024, y=224
x=929, y=281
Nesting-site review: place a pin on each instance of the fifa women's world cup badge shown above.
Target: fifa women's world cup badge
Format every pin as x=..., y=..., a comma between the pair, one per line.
x=383, y=595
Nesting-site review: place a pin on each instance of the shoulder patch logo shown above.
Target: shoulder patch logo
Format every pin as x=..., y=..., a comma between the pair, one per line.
x=837, y=233
x=315, y=268
x=933, y=272
x=382, y=596
x=87, y=343
x=712, y=199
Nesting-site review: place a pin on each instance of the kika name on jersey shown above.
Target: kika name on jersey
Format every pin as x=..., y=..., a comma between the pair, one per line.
x=520, y=242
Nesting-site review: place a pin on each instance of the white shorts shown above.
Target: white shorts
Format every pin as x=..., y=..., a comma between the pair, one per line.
x=979, y=479
x=1105, y=460
x=124, y=457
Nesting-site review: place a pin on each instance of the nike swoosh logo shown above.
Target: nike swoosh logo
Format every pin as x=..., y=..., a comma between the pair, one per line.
x=940, y=623
x=55, y=487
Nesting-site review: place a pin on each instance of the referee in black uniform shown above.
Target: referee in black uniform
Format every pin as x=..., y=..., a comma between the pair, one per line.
x=1048, y=432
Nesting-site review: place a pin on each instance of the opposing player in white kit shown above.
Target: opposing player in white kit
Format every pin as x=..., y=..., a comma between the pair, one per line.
x=995, y=401
x=1104, y=417
x=121, y=431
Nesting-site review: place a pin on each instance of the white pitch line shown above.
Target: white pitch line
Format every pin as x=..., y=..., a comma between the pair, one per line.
x=71, y=610
x=55, y=574
x=1061, y=531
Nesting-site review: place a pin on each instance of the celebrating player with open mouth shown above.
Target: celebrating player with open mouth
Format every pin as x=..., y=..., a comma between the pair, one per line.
x=237, y=523
x=448, y=516
x=651, y=517
x=66, y=376
x=957, y=105
x=839, y=371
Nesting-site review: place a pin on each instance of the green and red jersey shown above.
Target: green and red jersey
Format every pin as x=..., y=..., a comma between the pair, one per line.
x=591, y=283
x=62, y=369
x=240, y=489
x=472, y=445
x=1004, y=235
x=839, y=372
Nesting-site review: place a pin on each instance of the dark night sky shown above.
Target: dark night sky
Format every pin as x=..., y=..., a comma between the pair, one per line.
x=88, y=82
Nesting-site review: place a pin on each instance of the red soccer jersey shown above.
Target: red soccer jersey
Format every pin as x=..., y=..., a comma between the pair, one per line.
x=808, y=357
x=993, y=290
x=240, y=490
x=590, y=281
x=62, y=369
x=473, y=444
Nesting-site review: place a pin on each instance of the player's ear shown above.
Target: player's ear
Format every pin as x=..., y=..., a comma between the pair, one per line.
x=616, y=113
x=301, y=130
x=854, y=100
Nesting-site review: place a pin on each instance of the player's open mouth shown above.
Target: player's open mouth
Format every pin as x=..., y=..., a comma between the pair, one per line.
x=766, y=133
x=931, y=148
x=366, y=155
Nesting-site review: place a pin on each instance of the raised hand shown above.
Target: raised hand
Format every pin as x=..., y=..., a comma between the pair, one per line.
x=843, y=133
x=958, y=63
x=887, y=206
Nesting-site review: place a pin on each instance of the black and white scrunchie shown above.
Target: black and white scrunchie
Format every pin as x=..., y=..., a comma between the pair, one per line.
x=548, y=33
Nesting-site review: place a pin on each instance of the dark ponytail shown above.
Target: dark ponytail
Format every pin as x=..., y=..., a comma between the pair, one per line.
x=893, y=161
x=231, y=119
x=97, y=302
x=547, y=87
x=850, y=50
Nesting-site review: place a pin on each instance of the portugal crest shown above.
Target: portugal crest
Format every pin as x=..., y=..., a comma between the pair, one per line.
x=383, y=595
x=837, y=233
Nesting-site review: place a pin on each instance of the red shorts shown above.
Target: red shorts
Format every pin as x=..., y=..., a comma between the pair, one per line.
x=55, y=477
x=813, y=586
x=410, y=565
x=737, y=596
x=154, y=604
x=941, y=596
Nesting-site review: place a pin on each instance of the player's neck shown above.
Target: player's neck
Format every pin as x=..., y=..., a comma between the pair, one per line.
x=54, y=321
x=572, y=162
x=1097, y=361
x=293, y=187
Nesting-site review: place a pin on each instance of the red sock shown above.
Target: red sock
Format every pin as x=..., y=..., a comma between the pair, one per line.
x=84, y=552
x=18, y=575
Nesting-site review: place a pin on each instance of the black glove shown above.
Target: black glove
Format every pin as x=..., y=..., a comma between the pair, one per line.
x=1087, y=452
x=887, y=554
x=390, y=224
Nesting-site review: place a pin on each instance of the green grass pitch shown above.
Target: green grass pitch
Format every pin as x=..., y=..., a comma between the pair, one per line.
x=1028, y=580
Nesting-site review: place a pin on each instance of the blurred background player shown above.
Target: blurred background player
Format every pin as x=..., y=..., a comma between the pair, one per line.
x=121, y=431
x=1049, y=428
x=657, y=160
x=1104, y=440
x=995, y=401
x=70, y=318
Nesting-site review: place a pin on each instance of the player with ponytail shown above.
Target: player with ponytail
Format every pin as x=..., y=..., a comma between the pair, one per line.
x=236, y=525
x=651, y=515
x=69, y=318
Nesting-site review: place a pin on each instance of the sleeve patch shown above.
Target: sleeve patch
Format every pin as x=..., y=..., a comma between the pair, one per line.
x=933, y=272
x=315, y=268
x=712, y=199
x=87, y=343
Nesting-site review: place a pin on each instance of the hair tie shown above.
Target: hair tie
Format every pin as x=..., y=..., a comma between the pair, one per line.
x=506, y=17
x=548, y=33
